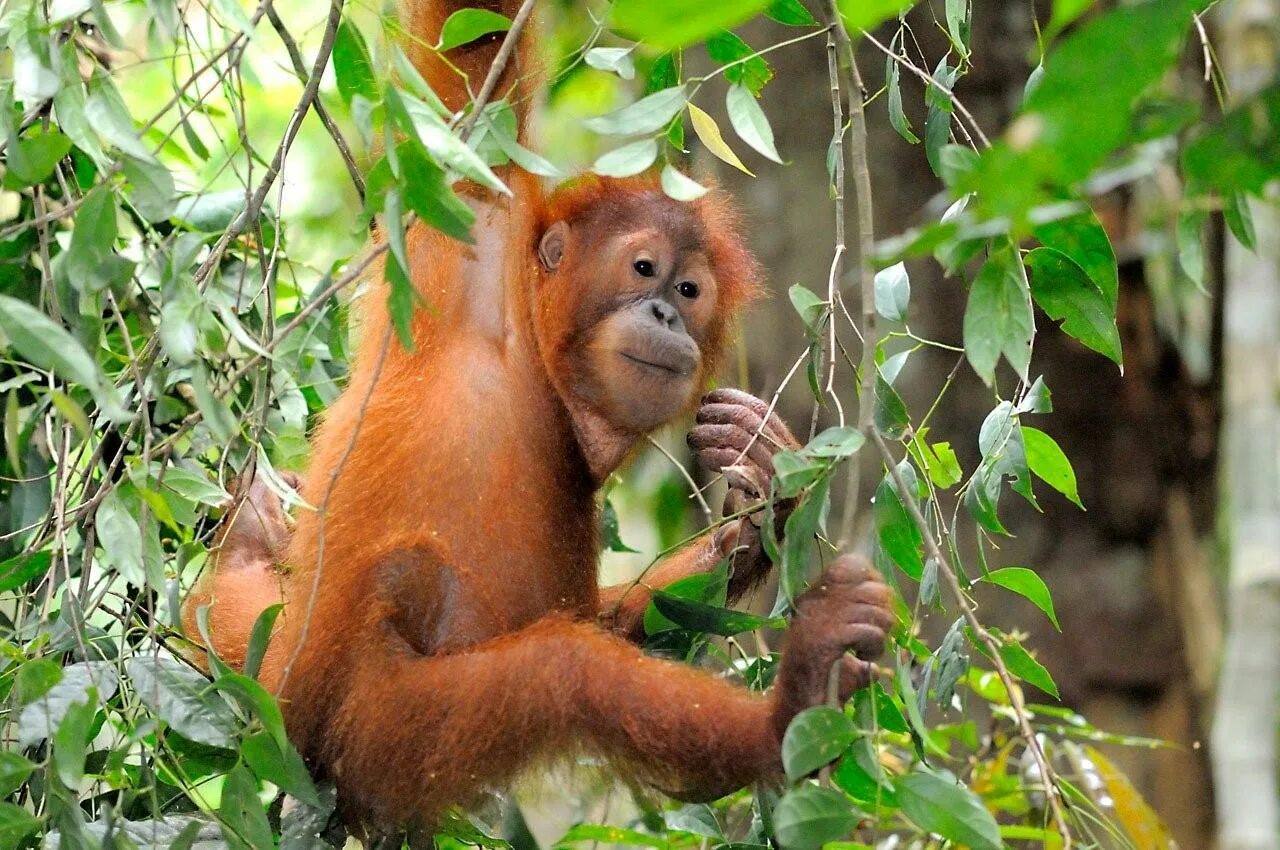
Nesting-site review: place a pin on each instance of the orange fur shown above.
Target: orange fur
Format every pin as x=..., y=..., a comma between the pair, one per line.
x=443, y=627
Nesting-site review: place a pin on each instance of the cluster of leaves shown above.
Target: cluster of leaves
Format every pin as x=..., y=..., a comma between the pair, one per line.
x=159, y=336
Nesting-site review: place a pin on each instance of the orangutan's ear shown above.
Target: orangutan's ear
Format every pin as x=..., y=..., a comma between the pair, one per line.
x=551, y=247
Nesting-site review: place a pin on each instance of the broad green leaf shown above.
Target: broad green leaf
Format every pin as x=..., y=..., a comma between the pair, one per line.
x=955, y=162
x=183, y=698
x=791, y=12
x=707, y=588
x=424, y=189
x=695, y=819
x=982, y=499
x=598, y=833
x=610, y=536
x=34, y=72
x=1082, y=108
x=959, y=15
x=628, y=159
x=1050, y=464
x=69, y=740
x=242, y=815
x=677, y=185
x=616, y=60
x=865, y=14
x=816, y=737
x=799, y=531
x=93, y=240
x=283, y=767
x=750, y=123
x=33, y=158
x=1023, y=665
x=210, y=211
x=121, y=537
x=895, y=529
x=998, y=318
x=792, y=472
x=1064, y=12
x=150, y=187
x=945, y=807
x=710, y=619
x=78, y=684
x=837, y=441
x=352, y=65
x=1027, y=584
x=891, y=417
x=16, y=823
x=401, y=294
x=1190, y=240
x=808, y=305
x=466, y=25
x=709, y=133
x=35, y=678
x=1239, y=217
x=1241, y=153
x=195, y=486
x=20, y=569
x=666, y=24
x=893, y=292
x=1065, y=292
x=742, y=64
x=14, y=770
x=110, y=118
x=1082, y=238
x=809, y=816
x=647, y=115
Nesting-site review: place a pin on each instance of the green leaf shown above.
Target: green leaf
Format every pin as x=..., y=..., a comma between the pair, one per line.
x=78, y=684
x=1050, y=464
x=866, y=14
x=893, y=292
x=121, y=537
x=1027, y=584
x=616, y=60
x=1024, y=666
x=1064, y=12
x=628, y=159
x=20, y=569
x=815, y=737
x=891, y=417
x=35, y=678
x=93, y=239
x=1239, y=218
x=466, y=25
x=1242, y=153
x=14, y=770
x=798, y=534
x=792, y=472
x=259, y=638
x=809, y=816
x=808, y=305
x=959, y=14
x=110, y=118
x=679, y=186
x=743, y=65
x=1065, y=292
x=598, y=833
x=16, y=823
x=352, y=65
x=955, y=162
x=837, y=441
x=791, y=12
x=183, y=698
x=695, y=819
x=937, y=120
x=749, y=122
x=34, y=157
x=707, y=588
x=895, y=530
x=69, y=742
x=943, y=806
x=709, y=619
x=647, y=115
x=897, y=116
x=667, y=24
x=243, y=817
x=284, y=768
x=998, y=318
x=1082, y=238
x=421, y=122
x=195, y=487
x=150, y=187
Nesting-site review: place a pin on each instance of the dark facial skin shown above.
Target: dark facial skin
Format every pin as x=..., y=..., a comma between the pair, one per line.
x=651, y=301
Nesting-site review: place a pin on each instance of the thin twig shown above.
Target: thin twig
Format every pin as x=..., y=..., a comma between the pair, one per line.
x=693, y=485
x=322, y=112
x=498, y=67
x=309, y=94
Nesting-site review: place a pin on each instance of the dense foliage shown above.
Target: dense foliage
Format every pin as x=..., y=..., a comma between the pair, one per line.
x=183, y=218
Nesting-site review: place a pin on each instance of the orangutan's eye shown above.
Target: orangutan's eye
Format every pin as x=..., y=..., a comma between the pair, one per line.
x=644, y=268
x=688, y=289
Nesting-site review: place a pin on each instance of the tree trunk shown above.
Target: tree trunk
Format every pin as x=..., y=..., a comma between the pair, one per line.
x=1244, y=732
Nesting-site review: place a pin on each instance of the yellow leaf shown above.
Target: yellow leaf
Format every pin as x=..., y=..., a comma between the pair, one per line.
x=1144, y=826
x=705, y=126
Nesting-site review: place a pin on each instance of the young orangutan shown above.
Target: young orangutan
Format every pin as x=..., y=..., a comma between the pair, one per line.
x=444, y=629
